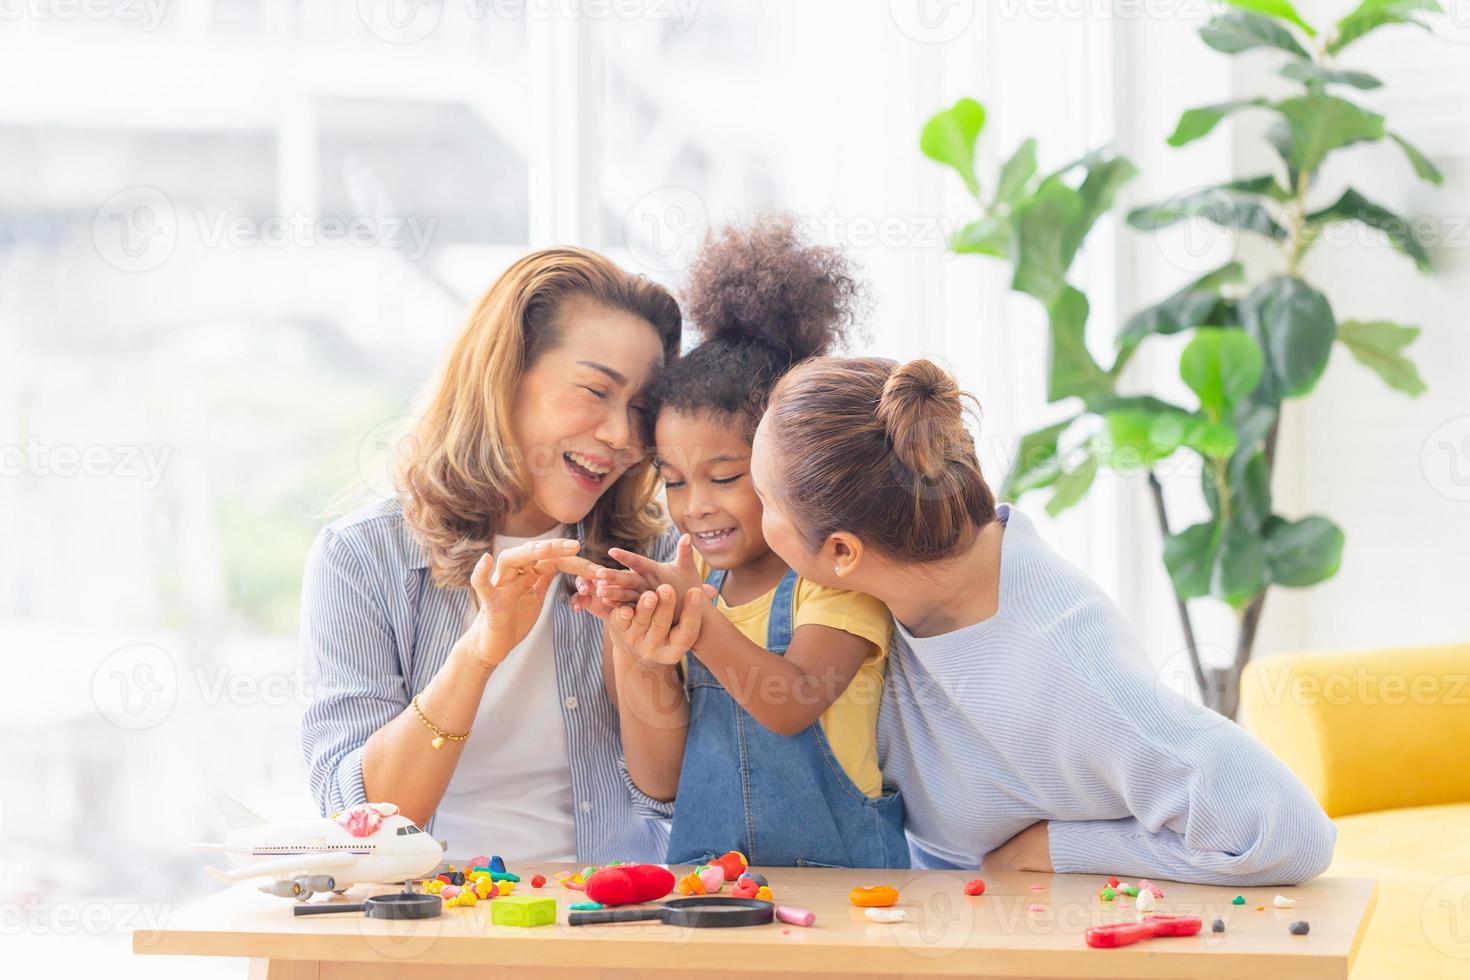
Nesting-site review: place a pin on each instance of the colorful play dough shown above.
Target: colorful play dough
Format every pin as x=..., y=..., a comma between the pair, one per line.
x=630, y=884
x=873, y=896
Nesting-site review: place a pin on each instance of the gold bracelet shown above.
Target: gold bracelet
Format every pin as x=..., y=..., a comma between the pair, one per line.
x=439, y=734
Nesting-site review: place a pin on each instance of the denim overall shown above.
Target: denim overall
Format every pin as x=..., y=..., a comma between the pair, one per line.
x=782, y=801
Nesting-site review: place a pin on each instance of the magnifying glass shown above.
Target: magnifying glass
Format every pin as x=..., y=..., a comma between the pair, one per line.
x=707, y=912
x=401, y=905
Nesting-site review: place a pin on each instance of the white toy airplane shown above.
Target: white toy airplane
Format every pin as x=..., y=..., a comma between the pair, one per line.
x=320, y=855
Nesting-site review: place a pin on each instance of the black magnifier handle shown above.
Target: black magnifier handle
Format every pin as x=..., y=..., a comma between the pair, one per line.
x=613, y=915
x=327, y=908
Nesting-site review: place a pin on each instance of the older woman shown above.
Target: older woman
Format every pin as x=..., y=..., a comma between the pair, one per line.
x=456, y=672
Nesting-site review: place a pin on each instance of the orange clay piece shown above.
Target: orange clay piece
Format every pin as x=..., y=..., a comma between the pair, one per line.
x=691, y=884
x=873, y=896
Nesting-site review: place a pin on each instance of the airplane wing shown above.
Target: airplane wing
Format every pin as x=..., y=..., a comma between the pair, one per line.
x=299, y=863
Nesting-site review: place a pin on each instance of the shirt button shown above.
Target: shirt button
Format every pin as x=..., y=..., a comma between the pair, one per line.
x=571, y=701
x=586, y=806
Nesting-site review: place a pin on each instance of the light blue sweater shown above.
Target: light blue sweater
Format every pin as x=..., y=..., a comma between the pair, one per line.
x=1049, y=711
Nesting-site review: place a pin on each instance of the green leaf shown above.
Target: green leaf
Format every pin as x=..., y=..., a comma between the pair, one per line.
x=1134, y=437
x=1221, y=367
x=1353, y=206
x=1098, y=190
x=1206, y=559
x=1250, y=489
x=1197, y=123
x=1235, y=31
x=1305, y=71
x=1378, y=344
x=1015, y=174
x=1423, y=166
x=1213, y=439
x=1278, y=134
x=1073, y=369
x=1073, y=485
x=1213, y=204
x=1195, y=305
x=1294, y=326
x=1190, y=558
x=1036, y=464
x=1264, y=185
x=1304, y=552
x=1042, y=247
x=987, y=236
x=1373, y=14
x=1279, y=9
x=1241, y=572
x=1320, y=123
x=949, y=137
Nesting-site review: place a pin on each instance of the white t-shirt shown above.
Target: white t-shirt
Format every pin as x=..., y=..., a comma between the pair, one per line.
x=511, y=793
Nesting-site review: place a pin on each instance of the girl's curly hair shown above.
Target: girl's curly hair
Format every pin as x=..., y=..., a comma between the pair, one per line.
x=762, y=299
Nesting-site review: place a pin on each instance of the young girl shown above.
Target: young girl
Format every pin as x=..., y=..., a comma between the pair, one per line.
x=767, y=732
x=1020, y=719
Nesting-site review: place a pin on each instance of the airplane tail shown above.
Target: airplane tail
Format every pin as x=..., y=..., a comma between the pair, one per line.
x=237, y=815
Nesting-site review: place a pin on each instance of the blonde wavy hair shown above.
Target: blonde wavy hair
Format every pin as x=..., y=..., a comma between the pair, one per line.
x=460, y=473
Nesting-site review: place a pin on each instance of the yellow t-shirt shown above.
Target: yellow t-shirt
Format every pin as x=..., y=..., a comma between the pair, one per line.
x=851, y=722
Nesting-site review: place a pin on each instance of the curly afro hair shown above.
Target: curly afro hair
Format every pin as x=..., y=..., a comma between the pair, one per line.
x=762, y=299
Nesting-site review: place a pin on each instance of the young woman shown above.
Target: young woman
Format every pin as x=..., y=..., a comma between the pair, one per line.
x=1019, y=717
x=454, y=674
x=766, y=730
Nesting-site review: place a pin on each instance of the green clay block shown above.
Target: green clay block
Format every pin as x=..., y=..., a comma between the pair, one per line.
x=1131, y=892
x=523, y=911
x=1238, y=900
x=1107, y=894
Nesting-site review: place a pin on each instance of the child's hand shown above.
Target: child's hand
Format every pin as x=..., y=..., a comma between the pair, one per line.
x=680, y=574
x=650, y=632
x=599, y=593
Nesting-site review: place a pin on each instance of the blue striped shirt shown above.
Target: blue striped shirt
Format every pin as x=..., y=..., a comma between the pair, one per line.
x=374, y=632
x=1049, y=711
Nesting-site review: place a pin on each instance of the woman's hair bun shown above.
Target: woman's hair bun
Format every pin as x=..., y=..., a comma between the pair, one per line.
x=765, y=282
x=922, y=414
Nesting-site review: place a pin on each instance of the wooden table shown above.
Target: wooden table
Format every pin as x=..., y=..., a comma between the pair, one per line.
x=1025, y=925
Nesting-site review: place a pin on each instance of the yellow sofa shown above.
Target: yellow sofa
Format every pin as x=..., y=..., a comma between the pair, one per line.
x=1382, y=739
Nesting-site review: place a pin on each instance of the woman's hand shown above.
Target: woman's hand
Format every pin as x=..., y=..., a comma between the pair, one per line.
x=1030, y=850
x=649, y=632
x=681, y=575
x=511, y=590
